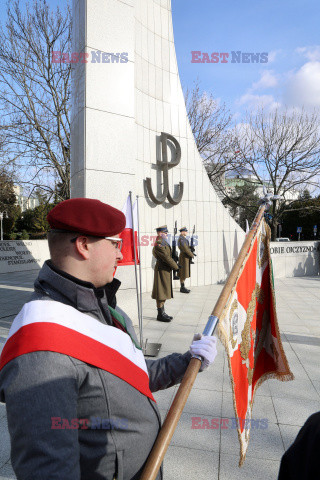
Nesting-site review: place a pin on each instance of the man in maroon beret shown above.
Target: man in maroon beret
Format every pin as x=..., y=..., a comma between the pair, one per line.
x=77, y=388
x=77, y=239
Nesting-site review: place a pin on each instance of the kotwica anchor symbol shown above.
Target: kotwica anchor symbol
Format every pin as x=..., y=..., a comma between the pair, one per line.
x=165, y=166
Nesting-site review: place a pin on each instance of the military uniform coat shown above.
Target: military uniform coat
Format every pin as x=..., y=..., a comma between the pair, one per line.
x=162, y=283
x=184, y=257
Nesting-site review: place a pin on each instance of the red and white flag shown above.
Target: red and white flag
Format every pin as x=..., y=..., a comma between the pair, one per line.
x=45, y=325
x=249, y=331
x=127, y=234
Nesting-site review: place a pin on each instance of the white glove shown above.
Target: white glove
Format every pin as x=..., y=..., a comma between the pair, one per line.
x=205, y=347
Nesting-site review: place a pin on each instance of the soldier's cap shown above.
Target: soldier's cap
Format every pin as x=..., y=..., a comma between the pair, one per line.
x=163, y=229
x=183, y=229
x=87, y=216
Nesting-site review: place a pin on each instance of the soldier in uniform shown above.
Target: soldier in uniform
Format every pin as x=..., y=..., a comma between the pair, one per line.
x=162, y=283
x=184, y=258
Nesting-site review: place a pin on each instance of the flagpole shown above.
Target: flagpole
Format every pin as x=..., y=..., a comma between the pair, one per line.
x=140, y=281
x=135, y=258
x=162, y=442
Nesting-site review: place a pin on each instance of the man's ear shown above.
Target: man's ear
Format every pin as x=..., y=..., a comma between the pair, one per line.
x=82, y=247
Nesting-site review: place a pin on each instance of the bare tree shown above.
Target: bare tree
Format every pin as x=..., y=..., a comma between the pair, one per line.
x=282, y=150
x=35, y=94
x=211, y=125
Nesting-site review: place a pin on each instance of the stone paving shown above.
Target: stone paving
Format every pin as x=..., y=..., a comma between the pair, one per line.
x=214, y=454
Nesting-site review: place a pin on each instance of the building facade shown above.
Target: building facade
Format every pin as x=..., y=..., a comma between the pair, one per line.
x=25, y=202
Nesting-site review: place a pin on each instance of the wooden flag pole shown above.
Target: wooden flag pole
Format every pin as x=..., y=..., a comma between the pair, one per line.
x=167, y=430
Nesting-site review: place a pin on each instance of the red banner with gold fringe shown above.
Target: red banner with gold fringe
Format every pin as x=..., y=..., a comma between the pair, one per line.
x=249, y=330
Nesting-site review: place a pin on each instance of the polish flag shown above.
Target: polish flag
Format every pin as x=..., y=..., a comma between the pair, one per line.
x=127, y=234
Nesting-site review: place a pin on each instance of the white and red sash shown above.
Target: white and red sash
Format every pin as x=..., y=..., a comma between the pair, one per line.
x=45, y=325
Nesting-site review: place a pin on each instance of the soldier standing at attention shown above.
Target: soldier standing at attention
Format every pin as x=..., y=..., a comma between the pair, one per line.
x=162, y=283
x=184, y=258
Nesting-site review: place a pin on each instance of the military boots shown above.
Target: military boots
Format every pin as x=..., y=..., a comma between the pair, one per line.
x=162, y=316
x=183, y=289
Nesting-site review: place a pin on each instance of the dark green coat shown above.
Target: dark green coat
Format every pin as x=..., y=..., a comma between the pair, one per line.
x=162, y=283
x=184, y=257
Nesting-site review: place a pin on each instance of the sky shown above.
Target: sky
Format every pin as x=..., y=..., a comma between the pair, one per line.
x=288, y=30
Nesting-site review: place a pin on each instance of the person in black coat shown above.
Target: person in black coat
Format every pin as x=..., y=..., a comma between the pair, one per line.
x=301, y=460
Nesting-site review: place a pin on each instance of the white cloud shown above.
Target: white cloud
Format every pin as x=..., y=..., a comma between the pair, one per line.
x=303, y=86
x=295, y=89
x=272, y=55
x=312, y=53
x=267, y=80
x=253, y=102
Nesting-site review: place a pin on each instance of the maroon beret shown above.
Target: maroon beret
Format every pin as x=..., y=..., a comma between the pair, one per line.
x=87, y=216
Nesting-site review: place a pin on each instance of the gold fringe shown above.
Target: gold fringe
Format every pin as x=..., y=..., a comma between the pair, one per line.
x=288, y=373
x=284, y=376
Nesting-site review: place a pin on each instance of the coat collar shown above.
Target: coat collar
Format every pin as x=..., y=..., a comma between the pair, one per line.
x=161, y=241
x=65, y=288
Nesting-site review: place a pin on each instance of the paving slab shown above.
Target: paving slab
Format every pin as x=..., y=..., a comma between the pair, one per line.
x=253, y=468
x=262, y=408
x=200, y=439
x=164, y=398
x=294, y=411
x=288, y=434
x=316, y=384
x=6, y=472
x=211, y=379
x=2, y=410
x=204, y=402
x=265, y=443
x=4, y=442
x=301, y=389
x=188, y=464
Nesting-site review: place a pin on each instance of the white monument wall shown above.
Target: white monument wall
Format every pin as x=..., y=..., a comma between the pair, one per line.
x=295, y=259
x=22, y=255
x=292, y=259
x=119, y=112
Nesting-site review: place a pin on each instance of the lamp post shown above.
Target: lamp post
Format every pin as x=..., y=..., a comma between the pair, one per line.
x=1, y=219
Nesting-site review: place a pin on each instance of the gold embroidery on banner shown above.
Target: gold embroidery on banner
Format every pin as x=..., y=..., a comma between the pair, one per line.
x=253, y=333
x=260, y=295
x=247, y=422
x=262, y=243
x=234, y=307
x=245, y=335
x=275, y=353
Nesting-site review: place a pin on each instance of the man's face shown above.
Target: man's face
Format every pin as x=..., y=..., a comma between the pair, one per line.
x=104, y=257
x=163, y=234
x=184, y=233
